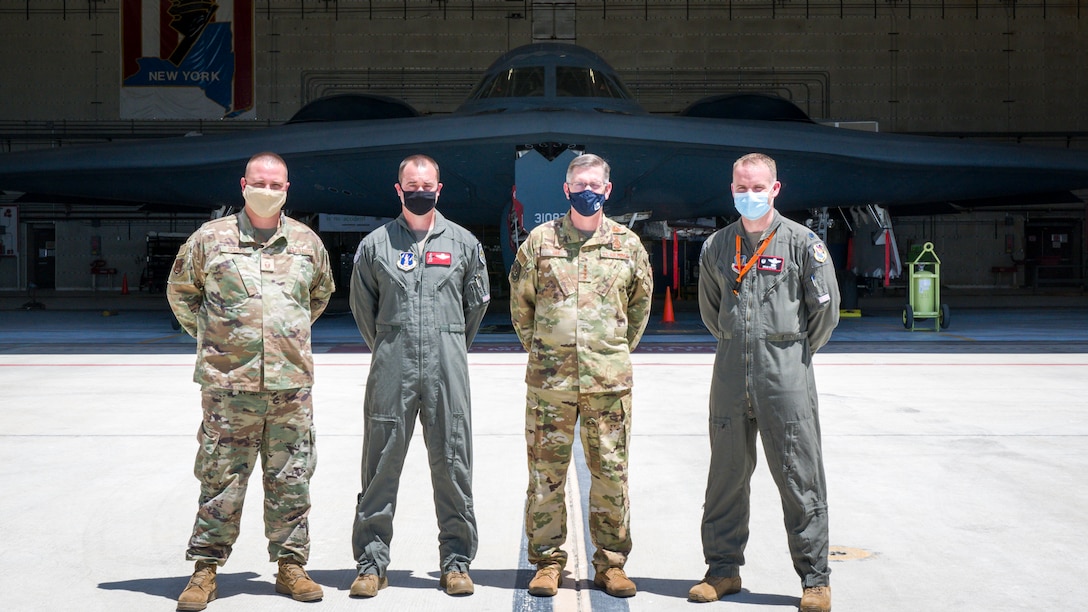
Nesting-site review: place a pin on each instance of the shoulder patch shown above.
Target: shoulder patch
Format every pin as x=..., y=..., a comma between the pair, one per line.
x=515, y=272
x=819, y=252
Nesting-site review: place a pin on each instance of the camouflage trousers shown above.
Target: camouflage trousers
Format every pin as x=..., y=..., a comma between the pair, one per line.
x=238, y=428
x=605, y=420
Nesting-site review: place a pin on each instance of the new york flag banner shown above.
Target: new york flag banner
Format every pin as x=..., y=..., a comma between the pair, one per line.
x=187, y=59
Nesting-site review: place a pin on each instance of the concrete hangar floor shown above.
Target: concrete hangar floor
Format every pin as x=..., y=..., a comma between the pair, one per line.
x=955, y=461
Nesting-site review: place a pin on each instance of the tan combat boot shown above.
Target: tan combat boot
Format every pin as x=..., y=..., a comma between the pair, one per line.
x=547, y=580
x=292, y=580
x=713, y=588
x=816, y=599
x=367, y=585
x=456, y=583
x=615, y=582
x=201, y=588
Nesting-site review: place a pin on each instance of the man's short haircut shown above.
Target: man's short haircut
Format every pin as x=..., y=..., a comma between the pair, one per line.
x=421, y=161
x=267, y=157
x=758, y=158
x=587, y=160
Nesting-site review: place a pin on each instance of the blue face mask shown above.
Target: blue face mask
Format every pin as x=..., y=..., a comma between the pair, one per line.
x=586, y=203
x=752, y=205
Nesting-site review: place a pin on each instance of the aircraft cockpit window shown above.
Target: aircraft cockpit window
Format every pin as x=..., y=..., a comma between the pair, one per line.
x=513, y=83
x=582, y=82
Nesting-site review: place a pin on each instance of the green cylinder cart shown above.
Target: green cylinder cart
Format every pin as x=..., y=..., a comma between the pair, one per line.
x=924, y=275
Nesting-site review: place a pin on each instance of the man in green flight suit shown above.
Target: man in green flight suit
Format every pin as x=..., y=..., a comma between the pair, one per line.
x=419, y=291
x=767, y=292
x=580, y=292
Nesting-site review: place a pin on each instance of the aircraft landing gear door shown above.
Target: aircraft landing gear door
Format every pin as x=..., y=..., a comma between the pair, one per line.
x=537, y=196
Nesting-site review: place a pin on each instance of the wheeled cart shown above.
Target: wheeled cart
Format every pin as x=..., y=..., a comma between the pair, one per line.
x=924, y=274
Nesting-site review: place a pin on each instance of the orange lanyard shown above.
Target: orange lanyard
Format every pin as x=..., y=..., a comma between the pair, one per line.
x=741, y=271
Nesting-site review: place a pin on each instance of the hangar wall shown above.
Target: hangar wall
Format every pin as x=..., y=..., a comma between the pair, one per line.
x=987, y=68
x=988, y=65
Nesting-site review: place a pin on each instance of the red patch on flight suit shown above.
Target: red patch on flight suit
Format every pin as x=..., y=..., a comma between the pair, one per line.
x=767, y=263
x=435, y=258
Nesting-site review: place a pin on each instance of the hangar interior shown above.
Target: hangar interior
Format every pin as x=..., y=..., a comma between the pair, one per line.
x=989, y=70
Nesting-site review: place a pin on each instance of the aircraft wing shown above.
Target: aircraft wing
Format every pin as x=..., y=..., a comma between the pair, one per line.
x=677, y=167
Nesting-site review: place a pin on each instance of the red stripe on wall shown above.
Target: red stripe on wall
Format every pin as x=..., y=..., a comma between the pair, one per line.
x=131, y=37
x=243, y=55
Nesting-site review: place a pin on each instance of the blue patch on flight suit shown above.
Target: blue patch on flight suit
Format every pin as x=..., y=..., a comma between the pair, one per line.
x=406, y=261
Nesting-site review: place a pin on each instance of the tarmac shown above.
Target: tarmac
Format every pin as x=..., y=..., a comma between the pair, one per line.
x=956, y=462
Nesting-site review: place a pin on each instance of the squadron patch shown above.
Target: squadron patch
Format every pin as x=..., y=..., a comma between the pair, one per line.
x=436, y=258
x=768, y=263
x=407, y=261
x=515, y=272
x=819, y=252
x=480, y=252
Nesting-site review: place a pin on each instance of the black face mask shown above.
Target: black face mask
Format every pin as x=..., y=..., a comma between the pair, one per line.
x=420, y=202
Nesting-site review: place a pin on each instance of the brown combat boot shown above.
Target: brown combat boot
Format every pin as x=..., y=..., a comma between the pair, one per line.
x=615, y=582
x=713, y=588
x=367, y=585
x=547, y=580
x=201, y=588
x=456, y=583
x=292, y=580
x=816, y=599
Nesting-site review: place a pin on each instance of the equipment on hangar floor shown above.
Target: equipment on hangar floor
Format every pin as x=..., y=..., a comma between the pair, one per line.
x=924, y=272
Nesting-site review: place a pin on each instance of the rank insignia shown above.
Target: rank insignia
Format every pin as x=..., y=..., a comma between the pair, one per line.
x=407, y=261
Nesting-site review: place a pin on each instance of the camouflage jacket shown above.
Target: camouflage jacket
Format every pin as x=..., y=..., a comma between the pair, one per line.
x=580, y=306
x=250, y=305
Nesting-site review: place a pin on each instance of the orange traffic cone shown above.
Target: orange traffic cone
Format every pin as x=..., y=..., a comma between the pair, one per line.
x=669, y=317
x=124, y=284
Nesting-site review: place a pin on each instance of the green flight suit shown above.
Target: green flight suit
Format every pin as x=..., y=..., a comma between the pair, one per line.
x=418, y=310
x=768, y=327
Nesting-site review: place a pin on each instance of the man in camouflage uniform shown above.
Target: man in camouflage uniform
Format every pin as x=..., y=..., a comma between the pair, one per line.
x=580, y=291
x=767, y=292
x=419, y=291
x=248, y=287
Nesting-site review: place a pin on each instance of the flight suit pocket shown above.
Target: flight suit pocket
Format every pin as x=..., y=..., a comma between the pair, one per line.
x=722, y=444
x=454, y=437
x=800, y=454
